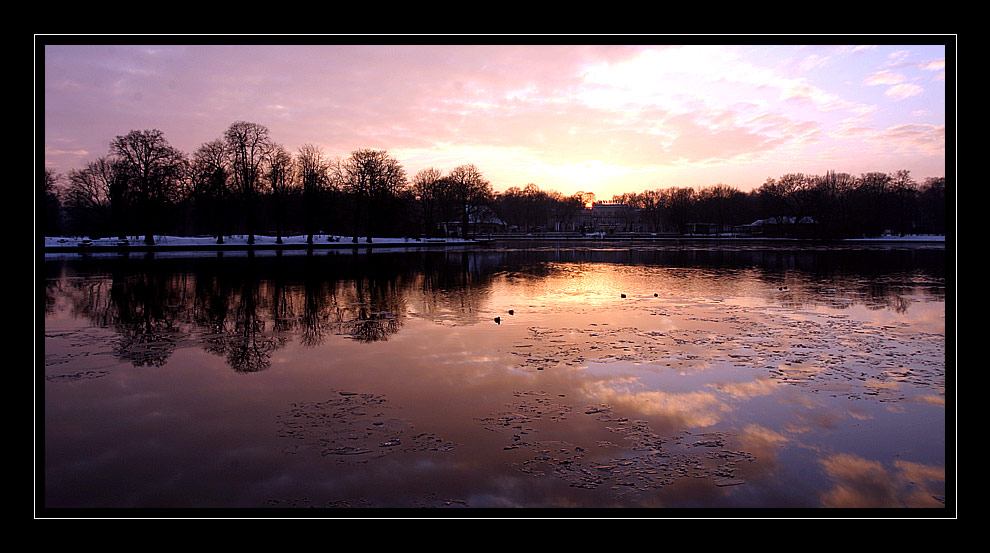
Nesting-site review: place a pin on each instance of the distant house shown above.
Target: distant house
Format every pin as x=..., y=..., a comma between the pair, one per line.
x=780, y=226
x=608, y=216
x=481, y=220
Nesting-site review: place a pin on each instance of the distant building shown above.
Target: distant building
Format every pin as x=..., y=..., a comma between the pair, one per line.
x=481, y=220
x=608, y=216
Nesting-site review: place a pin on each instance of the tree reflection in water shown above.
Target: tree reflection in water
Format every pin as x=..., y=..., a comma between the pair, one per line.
x=244, y=307
x=727, y=377
x=138, y=311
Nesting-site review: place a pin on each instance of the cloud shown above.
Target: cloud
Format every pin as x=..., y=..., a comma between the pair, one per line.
x=852, y=131
x=860, y=482
x=902, y=91
x=812, y=61
x=884, y=78
x=929, y=139
x=695, y=142
x=683, y=78
x=761, y=441
x=695, y=409
x=59, y=152
x=750, y=389
x=897, y=57
x=936, y=65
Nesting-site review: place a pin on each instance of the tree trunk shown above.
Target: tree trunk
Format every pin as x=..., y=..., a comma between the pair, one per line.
x=357, y=219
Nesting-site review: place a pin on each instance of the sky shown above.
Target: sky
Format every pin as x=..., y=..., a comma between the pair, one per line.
x=606, y=118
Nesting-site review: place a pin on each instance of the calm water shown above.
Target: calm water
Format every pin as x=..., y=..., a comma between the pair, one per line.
x=727, y=377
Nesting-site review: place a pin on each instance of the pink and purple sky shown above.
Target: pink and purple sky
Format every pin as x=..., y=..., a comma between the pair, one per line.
x=601, y=118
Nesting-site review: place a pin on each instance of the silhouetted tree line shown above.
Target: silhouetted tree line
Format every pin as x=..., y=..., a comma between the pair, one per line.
x=530, y=208
x=839, y=204
x=244, y=182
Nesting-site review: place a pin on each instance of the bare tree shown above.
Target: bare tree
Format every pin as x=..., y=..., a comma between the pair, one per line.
x=874, y=194
x=211, y=173
x=678, y=204
x=563, y=209
x=330, y=192
x=652, y=206
x=154, y=168
x=373, y=177
x=790, y=193
x=247, y=145
x=716, y=203
x=530, y=207
x=931, y=200
x=53, y=208
x=390, y=184
x=471, y=191
x=359, y=169
x=278, y=174
x=905, y=190
x=312, y=170
x=431, y=192
x=829, y=206
x=96, y=196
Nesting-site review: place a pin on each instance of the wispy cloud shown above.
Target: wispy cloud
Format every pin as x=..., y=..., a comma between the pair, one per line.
x=902, y=91
x=912, y=138
x=811, y=62
x=884, y=77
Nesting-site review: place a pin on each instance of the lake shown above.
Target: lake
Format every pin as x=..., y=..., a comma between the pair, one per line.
x=568, y=378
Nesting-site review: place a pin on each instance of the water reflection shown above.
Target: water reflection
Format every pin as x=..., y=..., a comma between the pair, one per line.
x=245, y=307
x=864, y=483
x=636, y=377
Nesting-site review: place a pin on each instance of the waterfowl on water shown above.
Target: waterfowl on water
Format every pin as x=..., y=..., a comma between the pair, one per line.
x=498, y=320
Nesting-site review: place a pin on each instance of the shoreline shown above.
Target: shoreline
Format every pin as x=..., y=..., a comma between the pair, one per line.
x=295, y=243
x=143, y=248
x=236, y=243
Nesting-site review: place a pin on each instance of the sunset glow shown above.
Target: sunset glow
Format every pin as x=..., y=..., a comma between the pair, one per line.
x=607, y=119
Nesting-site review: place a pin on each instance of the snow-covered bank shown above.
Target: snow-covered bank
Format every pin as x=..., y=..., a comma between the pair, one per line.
x=264, y=242
x=238, y=241
x=905, y=238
